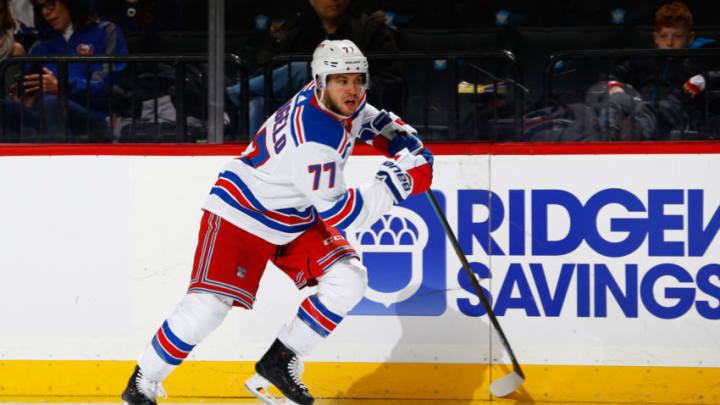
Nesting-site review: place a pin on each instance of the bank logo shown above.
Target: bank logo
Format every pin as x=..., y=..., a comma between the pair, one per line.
x=404, y=253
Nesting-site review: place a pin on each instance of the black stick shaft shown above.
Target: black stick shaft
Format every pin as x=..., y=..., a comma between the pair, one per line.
x=483, y=299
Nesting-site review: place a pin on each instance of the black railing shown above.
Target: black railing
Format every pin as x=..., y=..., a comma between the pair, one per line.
x=126, y=77
x=474, y=96
x=582, y=73
x=459, y=67
x=616, y=55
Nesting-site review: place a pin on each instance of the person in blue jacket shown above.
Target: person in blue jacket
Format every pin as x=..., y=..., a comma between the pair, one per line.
x=68, y=27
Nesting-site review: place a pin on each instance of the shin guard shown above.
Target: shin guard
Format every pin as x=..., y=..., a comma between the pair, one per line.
x=194, y=318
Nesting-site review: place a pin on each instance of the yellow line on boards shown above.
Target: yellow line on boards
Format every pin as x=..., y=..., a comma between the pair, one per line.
x=216, y=381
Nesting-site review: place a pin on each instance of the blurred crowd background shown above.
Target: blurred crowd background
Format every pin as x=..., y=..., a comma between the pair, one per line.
x=457, y=70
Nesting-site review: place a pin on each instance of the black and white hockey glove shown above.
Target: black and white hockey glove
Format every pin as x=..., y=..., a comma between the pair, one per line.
x=407, y=174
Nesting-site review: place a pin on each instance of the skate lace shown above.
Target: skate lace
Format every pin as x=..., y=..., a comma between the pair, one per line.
x=151, y=389
x=296, y=368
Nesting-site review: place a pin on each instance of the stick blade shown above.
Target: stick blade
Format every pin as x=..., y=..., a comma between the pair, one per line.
x=506, y=385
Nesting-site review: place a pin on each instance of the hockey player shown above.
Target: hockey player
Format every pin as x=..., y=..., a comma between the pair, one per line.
x=283, y=200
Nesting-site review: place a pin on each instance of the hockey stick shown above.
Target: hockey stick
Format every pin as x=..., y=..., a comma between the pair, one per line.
x=509, y=383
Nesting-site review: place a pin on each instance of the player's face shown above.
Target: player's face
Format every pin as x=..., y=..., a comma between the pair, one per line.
x=673, y=37
x=343, y=92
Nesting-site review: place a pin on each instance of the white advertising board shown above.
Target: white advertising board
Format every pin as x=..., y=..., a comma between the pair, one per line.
x=594, y=259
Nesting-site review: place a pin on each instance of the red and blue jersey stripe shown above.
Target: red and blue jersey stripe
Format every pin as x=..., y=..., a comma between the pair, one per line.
x=297, y=129
x=344, y=146
x=345, y=210
x=361, y=106
x=233, y=191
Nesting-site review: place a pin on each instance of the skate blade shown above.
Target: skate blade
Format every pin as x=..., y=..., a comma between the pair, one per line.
x=259, y=387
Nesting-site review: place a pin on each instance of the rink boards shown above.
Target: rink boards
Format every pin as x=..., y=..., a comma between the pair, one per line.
x=601, y=261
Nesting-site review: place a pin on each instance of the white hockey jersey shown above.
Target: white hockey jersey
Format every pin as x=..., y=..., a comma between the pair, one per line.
x=292, y=172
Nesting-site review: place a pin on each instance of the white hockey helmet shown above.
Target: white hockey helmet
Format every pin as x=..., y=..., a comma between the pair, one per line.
x=338, y=56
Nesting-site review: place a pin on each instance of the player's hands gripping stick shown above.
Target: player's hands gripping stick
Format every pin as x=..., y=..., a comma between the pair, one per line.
x=390, y=134
x=407, y=174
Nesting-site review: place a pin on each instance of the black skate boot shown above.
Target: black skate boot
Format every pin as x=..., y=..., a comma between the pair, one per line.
x=140, y=391
x=280, y=367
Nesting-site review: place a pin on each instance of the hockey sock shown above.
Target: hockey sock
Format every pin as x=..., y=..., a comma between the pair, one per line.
x=339, y=290
x=194, y=318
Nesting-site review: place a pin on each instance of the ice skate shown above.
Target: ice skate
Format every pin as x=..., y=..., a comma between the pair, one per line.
x=282, y=368
x=140, y=391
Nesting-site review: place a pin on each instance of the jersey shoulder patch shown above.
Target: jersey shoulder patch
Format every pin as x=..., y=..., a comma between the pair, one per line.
x=322, y=128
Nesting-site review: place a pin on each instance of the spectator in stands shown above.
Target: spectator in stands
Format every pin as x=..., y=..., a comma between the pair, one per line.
x=8, y=46
x=68, y=27
x=668, y=102
x=326, y=19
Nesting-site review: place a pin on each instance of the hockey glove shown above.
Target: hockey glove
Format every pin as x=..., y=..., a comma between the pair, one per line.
x=374, y=127
x=397, y=180
x=405, y=140
x=407, y=174
x=390, y=134
x=419, y=167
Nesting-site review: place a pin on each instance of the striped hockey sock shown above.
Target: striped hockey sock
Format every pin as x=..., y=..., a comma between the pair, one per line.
x=169, y=347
